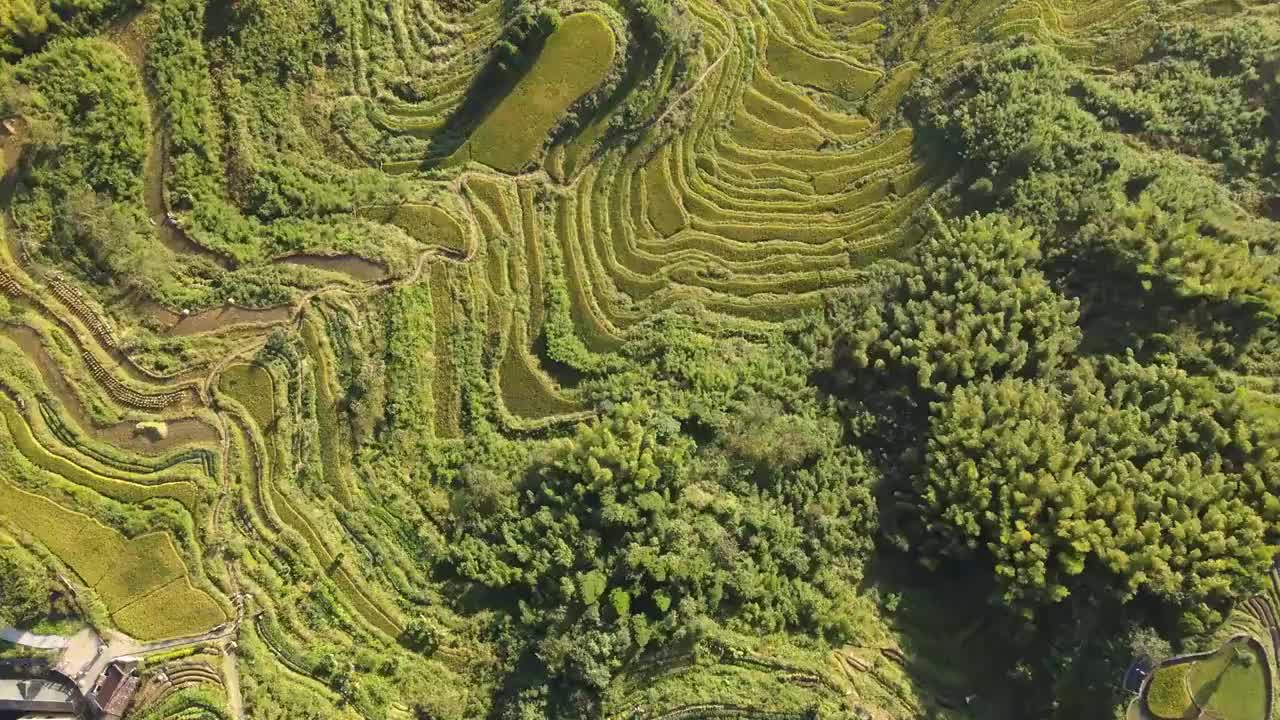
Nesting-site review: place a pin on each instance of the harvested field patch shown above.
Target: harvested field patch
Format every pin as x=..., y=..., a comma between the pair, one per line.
x=1231, y=684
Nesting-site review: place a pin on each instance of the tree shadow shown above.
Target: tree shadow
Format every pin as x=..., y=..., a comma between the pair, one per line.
x=953, y=645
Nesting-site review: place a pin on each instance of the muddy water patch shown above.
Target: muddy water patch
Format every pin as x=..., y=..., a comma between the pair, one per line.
x=353, y=266
x=127, y=434
x=214, y=318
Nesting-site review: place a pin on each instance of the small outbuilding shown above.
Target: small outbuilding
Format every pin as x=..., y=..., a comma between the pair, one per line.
x=114, y=690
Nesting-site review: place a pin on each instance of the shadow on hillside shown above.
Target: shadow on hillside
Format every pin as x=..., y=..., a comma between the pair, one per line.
x=492, y=83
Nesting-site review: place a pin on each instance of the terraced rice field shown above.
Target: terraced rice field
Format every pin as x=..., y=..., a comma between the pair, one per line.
x=576, y=59
x=282, y=449
x=1235, y=681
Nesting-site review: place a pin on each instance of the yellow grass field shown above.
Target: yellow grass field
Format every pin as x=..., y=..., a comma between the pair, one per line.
x=577, y=58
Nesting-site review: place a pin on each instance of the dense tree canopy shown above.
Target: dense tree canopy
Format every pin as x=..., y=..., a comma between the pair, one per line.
x=1129, y=478
x=1120, y=228
x=89, y=103
x=1218, y=92
x=630, y=533
x=1074, y=452
x=1179, y=257
x=86, y=133
x=974, y=307
x=25, y=25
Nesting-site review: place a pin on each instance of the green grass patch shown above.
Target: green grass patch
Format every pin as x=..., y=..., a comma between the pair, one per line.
x=425, y=223
x=445, y=387
x=348, y=586
x=417, y=125
x=886, y=97
x=587, y=324
x=409, y=331
x=493, y=194
x=773, y=112
x=1231, y=684
x=250, y=385
x=576, y=59
x=532, y=260
x=753, y=132
x=835, y=123
x=366, y=607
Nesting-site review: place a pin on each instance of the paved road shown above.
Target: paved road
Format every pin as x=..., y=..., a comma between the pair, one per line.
x=231, y=679
x=44, y=642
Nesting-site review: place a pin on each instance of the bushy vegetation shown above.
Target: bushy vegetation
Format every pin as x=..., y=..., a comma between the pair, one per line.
x=28, y=595
x=26, y=25
x=87, y=142
x=975, y=356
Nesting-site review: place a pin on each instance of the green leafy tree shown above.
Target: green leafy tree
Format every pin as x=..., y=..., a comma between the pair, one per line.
x=1162, y=259
x=1170, y=254
x=594, y=496
x=422, y=635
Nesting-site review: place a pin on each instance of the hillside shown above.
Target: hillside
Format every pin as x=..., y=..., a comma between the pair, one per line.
x=664, y=359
